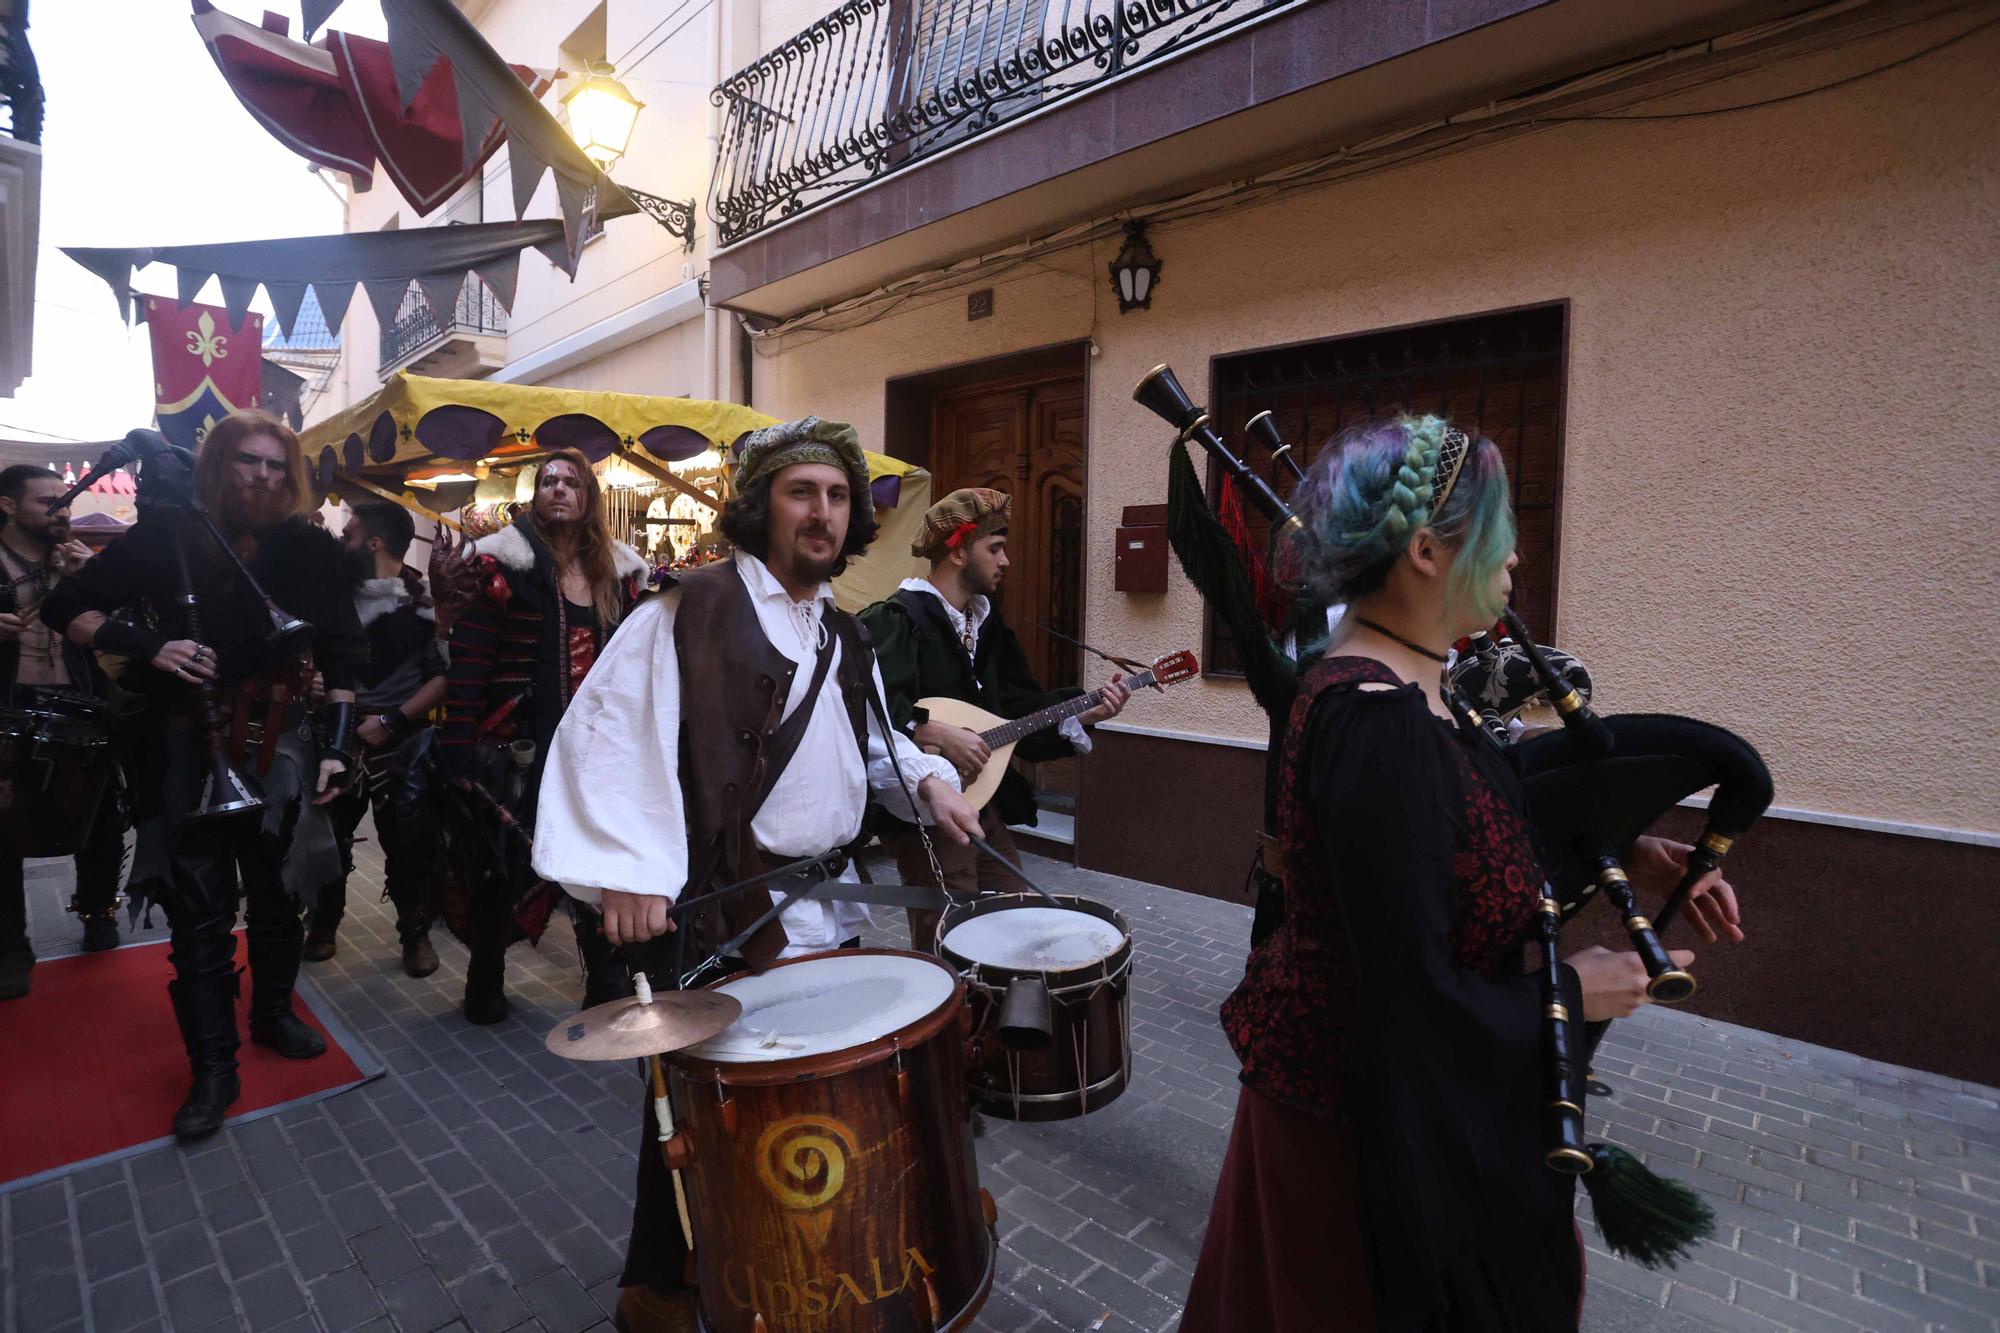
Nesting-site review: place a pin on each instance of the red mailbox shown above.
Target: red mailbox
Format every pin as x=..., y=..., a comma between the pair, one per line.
x=1141, y=561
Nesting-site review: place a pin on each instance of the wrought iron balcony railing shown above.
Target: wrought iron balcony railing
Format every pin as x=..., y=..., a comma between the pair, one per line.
x=20, y=80
x=879, y=84
x=416, y=328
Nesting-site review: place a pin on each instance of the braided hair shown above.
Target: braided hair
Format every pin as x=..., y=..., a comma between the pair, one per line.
x=1366, y=497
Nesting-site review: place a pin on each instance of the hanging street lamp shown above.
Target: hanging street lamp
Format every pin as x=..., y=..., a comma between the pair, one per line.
x=1135, y=272
x=601, y=116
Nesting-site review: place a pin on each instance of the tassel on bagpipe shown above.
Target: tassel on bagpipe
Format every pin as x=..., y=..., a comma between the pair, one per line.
x=1211, y=560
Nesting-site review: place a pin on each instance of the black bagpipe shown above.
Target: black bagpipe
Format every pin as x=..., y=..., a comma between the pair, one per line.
x=1593, y=787
x=166, y=483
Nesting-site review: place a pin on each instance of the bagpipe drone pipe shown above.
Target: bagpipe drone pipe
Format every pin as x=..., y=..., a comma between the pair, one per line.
x=1239, y=584
x=1594, y=787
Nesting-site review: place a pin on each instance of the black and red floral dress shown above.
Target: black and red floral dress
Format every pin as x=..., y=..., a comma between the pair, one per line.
x=1386, y=1170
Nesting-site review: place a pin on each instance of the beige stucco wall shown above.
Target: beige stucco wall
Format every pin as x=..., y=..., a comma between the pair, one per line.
x=1781, y=469
x=668, y=364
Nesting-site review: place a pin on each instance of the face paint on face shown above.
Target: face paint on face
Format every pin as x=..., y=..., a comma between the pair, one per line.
x=559, y=495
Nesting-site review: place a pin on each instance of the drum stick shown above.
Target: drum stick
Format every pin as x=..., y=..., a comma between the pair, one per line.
x=663, y=1110
x=989, y=849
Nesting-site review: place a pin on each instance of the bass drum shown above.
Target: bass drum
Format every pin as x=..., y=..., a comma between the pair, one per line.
x=1082, y=952
x=827, y=1145
x=55, y=761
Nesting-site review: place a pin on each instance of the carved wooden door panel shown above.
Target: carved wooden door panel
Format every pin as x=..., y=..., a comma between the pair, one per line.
x=1027, y=440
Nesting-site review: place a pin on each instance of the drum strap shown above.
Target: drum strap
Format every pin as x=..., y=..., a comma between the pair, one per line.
x=884, y=895
x=785, y=740
x=909, y=793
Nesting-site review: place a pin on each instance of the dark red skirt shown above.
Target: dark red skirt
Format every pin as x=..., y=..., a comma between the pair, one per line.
x=1283, y=1251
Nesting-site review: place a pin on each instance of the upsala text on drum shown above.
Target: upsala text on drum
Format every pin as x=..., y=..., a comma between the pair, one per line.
x=827, y=1145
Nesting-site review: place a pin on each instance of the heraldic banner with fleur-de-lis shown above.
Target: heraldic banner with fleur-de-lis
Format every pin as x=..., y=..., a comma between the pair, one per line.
x=203, y=367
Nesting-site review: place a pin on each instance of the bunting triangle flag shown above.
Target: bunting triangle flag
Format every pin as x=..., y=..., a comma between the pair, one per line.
x=205, y=366
x=340, y=104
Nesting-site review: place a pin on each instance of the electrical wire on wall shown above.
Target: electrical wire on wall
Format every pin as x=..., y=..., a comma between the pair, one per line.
x=1525, y=114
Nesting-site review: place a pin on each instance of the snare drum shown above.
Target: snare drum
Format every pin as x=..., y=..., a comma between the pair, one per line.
x=1082, y=951
x=828, y=1151
x=55, y=760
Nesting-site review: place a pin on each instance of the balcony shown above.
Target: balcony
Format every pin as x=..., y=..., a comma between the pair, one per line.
x=20, y=80
x=20, y=192
x=879, y=85
x=471, y=346
x=899, y=137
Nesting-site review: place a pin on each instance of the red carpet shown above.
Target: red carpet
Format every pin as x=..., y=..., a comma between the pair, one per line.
x=94, y=1064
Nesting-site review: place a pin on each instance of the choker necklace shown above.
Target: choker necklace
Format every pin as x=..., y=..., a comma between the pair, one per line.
x=1391, y=634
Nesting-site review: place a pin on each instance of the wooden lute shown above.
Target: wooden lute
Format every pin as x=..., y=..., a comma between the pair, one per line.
x=1002, y=735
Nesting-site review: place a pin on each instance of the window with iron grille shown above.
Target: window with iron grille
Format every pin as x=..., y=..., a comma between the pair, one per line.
x=1498, y=375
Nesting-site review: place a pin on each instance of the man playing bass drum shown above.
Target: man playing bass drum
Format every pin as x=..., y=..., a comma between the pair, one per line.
x=943, y=635
x=735, y=710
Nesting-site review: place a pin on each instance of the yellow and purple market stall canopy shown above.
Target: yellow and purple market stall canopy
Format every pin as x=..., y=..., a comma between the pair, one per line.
x=417, y=419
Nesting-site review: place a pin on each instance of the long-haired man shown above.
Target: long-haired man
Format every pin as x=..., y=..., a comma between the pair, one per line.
x=249, y=476
x=548, y=591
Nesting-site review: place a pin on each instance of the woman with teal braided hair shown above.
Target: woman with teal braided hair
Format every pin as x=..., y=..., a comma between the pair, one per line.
x=1385, y=1170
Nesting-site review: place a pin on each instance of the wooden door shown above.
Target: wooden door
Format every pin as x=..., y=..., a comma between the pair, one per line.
x=1027, y=439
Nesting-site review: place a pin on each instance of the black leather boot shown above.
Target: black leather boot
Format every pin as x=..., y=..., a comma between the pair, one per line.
x=322, y=941
x=17, y=960
x=206, y=1010
x=274, y=968
x=485, y=984
x=100, y=933
x=420, y=957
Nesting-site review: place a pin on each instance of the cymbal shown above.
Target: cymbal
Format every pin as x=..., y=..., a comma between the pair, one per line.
x=624, y=1029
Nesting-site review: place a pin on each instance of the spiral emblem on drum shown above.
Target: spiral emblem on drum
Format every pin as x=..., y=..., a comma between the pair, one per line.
x=803, y=1160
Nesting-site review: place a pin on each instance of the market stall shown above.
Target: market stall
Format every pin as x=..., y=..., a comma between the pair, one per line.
x=463, y=452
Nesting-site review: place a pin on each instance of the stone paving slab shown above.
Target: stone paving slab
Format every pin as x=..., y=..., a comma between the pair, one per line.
x=484, y=1184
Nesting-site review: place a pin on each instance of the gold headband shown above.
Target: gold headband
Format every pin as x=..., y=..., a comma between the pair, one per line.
x=1451, y=458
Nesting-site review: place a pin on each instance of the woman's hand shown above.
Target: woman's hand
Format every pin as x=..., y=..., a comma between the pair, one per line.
x=1656, y=866
x=1614, y=984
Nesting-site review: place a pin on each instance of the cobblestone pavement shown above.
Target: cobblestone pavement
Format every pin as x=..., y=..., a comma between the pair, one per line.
x=485, y=1184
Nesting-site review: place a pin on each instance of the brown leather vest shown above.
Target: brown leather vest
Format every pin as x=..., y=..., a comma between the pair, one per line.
x=734, y=683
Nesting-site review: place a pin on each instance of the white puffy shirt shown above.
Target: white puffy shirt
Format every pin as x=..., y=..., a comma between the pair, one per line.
x=610, y=813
